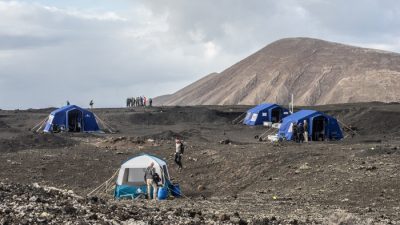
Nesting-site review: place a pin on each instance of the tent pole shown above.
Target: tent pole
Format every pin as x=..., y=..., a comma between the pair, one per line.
x=292, y=104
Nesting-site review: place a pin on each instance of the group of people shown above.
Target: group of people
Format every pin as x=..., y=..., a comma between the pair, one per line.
x=139, y=101
x=151, y=178
x=300, y=132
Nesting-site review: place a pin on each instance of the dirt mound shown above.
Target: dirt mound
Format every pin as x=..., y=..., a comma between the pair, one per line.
x=164, y=135
x=33, y=204
x=171, y=135
x=33, y=141
x=170, y=116
x=190, y=133
x=120, y=142
x=3, y=125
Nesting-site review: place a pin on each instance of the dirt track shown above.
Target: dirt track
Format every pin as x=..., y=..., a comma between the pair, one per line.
x=308, y=183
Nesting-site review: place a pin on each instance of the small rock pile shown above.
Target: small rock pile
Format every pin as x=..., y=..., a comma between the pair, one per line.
x=35, y=204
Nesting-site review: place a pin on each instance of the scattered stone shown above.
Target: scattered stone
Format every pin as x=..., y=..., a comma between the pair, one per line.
x=225, y=142
x=371, y=168
x=201, y=188
x=223, y=217
x=305, y=166
x=33, y=199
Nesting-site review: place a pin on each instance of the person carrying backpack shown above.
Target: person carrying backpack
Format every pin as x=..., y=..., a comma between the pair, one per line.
x=179, y=149
x=151, y=179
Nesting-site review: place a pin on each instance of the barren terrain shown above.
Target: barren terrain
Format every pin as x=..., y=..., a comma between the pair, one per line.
x=240, y=181
x=317, y=72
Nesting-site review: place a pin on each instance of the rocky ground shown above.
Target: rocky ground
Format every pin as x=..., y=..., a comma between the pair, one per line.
x=228, y=177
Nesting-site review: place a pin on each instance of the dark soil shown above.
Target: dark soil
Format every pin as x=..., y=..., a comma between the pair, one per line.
x=35, y=141
x=356, y=179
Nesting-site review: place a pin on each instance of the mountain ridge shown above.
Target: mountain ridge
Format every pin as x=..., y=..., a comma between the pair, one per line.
x=316, y=71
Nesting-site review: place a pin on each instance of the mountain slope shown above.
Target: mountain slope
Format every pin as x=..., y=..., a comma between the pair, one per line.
x=317, y=72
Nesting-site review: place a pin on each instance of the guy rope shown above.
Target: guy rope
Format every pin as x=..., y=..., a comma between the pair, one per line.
x=348, y=128
x=105, y=125
x=39, y=125
x=239, y=119
x=105, y=187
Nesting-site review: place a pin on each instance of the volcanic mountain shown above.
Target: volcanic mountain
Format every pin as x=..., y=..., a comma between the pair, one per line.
x=316, y=72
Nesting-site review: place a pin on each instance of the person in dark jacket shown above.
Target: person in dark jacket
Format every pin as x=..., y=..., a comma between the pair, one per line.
x=295, y=132
x=149, y=179
x=300, y=133
x=91, y=104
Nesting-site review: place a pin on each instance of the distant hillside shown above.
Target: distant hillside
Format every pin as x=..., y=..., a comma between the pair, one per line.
x=317, y=72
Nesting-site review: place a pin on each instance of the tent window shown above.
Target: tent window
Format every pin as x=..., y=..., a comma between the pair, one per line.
x=134, y=176
x=318, y=128
x=276, y=115
x=75, y=121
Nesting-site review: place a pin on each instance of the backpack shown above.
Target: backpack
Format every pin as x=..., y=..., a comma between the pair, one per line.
x=156, y=177
x=182, y=148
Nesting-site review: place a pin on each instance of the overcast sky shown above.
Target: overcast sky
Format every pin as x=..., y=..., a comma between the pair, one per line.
x=78, y=50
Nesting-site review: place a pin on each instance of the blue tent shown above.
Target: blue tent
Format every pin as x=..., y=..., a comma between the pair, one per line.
x=265, y=112
x=73, y=119
x=130, y=182
x=320, y=125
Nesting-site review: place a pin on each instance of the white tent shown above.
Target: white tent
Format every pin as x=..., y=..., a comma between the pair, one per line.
x=132, y=171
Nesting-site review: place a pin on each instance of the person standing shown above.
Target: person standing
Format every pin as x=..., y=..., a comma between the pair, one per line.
x=91, y=104
x=300, y=132
x=150, y=102
x=179, y=148
x=144, y=101
x=149, y=179
x=68, y=102
x=305, y=131
x=295, y=132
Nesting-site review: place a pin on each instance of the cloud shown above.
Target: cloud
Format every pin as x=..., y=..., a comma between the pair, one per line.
x=53, y=52
x=57, y=54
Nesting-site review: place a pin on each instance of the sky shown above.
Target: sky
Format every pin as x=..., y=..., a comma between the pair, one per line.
x=106, y=50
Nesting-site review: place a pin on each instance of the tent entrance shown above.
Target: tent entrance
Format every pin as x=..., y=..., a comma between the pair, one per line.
x=75, y=121
x=318, y=128
x=276, y=115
